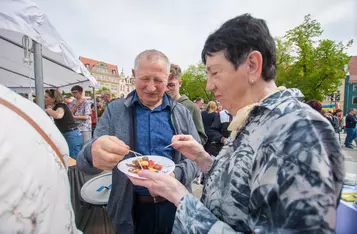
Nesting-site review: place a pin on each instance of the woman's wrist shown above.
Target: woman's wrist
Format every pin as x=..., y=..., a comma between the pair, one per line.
x=204, y=161
x=178, y=196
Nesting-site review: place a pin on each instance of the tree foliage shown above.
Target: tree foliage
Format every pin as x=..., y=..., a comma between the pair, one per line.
x=313, y=65
x=194, y=80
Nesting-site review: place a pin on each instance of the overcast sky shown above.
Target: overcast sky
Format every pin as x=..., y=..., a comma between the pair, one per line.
x=115, y=31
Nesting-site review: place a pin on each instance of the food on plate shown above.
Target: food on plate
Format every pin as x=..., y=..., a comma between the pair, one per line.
x=145, y=164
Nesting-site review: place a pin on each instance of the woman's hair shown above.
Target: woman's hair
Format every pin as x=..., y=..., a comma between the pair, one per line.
x=316, y=105
x=211, y=106
x=55, y=94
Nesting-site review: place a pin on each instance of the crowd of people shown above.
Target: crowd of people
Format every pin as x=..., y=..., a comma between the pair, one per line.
x=340, y=123
x=266, y=167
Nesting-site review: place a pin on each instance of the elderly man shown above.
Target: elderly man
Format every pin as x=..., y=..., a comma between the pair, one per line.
x=145, y=122
x=173, y=90
x=107, y=96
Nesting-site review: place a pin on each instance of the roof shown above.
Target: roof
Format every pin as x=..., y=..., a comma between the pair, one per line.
x=352, y=68
x=93, y=62
x=18, y=76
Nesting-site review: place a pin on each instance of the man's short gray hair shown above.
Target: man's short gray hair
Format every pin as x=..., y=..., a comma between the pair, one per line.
x=106, y=92
x=153, y=56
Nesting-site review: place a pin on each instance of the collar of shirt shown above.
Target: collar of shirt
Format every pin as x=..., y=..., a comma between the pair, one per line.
x=165, y=102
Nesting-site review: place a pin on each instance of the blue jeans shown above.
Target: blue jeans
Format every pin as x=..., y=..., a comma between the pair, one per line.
x=74, y=140
x=351, y=135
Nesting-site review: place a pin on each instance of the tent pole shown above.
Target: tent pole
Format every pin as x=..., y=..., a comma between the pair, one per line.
x=39, y=87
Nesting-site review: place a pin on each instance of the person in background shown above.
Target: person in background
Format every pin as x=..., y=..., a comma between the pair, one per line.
x=333, y=119
x=339, y=114
x=100, y=110
x=219, y=108
x=145, y=121
x=173, y=90
x=64, y=120
x=107, y=96
x=199, y=103
x=282, y=170
x=316, y=105
x=81, y=110
x=208, y=117
x=67, y=100
x=35, y=191
x=350, y=127
x=219, y=132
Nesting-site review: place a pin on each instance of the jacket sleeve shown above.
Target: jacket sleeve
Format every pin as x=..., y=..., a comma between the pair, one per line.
x=193, y=217
x=197, y=119
x=186, y=170
x=215, y=133
x=84, y=159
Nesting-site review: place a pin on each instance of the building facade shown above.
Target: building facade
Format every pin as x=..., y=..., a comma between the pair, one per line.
x=108, y=76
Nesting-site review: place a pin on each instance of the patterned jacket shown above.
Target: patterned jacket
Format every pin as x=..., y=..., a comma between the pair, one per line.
x=282, y=173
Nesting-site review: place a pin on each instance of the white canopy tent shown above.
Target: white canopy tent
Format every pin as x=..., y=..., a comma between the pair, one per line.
x=52, y=63
x=19, y=76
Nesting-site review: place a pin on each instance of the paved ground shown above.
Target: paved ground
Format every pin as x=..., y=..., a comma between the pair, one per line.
x=350, y=166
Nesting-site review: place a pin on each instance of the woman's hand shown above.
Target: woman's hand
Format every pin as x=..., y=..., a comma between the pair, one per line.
x=161, y=185
x=192, y=150
x=188, y=146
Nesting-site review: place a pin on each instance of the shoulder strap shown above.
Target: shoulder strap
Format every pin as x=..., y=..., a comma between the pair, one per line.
x=34, y=125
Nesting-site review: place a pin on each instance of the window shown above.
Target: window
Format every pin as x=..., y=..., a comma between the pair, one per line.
x=87, y=66
x=114, y=72
x=354, y=87
x=128, y=89
x=354, y=100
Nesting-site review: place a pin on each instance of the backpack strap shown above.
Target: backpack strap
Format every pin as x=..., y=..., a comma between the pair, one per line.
x=34, y=125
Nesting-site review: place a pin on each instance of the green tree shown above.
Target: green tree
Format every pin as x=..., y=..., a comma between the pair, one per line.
x=313, y=65
x=194, y=80
x=99, y=91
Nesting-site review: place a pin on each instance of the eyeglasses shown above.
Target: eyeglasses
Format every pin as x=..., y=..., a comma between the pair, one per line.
x=171, y=85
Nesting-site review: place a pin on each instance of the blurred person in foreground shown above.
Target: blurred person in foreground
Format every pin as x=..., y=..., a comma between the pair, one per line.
x=282, y=168
x=35, y=191
x=144, y=121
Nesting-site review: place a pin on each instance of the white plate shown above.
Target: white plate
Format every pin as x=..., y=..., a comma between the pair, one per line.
x=168, y=165
x=94, y=193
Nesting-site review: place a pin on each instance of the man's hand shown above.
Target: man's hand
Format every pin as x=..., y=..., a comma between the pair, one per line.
x=107, y=151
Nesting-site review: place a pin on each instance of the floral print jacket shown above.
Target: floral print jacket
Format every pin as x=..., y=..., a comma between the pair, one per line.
x=282, y=173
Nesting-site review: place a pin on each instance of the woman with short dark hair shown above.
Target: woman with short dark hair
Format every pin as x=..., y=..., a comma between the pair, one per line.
x=282, y=168
x=64, y=121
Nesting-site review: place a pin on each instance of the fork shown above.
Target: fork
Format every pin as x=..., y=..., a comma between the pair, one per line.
x=136, y=156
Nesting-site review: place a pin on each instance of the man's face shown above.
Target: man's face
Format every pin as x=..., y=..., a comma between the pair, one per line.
x=199, y=104
x=106, y=97
x=150, y=82
x=229, y=85
x=173, y=88
x=76, y=94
